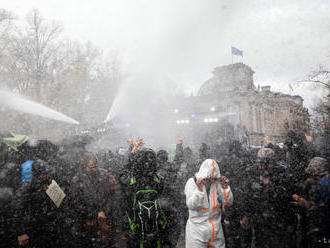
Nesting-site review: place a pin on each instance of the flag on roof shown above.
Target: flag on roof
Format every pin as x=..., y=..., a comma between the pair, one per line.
x=235, y=51
x=291, y=87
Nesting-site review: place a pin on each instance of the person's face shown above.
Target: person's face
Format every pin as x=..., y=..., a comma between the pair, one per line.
x=265, y=179
x=266, y=140
x=219, y=141
x=264, y=166
x=309, y=138
x=91, y=166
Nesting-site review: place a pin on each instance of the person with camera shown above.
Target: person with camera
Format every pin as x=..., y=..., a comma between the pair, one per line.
x=208, y=194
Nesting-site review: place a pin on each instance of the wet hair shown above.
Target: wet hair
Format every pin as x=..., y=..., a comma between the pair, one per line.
x=293, y=137
x=86, y=158
x=318, y=166
x=24, y=153
x=204, y=151
x=187, y=151
x=266, y=156
x=290, y=139
x=235, y=147
x=40, y=167
x=91, y=157
x=143, y=162
x=162, y=156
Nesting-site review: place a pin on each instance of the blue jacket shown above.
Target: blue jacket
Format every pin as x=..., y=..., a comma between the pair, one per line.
x=322, y=204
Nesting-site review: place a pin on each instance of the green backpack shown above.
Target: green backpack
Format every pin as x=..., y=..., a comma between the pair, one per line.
x=147, y=219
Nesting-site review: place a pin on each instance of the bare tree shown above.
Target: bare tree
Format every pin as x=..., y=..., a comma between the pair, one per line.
x=6, y=28
x=321, y=78
x=74, y=78
x=87, y=80
x=6, y=19
x=34, y=54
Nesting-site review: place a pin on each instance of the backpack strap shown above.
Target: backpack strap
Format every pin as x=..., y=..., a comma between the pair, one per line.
x=132, y=181
x=156, y=179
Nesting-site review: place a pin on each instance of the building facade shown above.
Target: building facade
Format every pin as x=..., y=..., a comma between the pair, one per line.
x=231, y=95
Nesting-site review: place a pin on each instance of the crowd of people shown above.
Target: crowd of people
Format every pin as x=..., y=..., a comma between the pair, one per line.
x=222, y=196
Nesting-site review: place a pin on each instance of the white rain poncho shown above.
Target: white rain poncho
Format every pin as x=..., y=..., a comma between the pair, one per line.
x=204, y=224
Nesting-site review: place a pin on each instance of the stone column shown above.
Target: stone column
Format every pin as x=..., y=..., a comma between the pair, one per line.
x=256, y=118
x=262, y=120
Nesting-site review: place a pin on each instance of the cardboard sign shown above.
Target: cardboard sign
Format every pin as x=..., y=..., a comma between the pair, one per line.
x=55, y=193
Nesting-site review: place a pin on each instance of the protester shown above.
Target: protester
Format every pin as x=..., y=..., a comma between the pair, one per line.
x=169, y=201
x=207, y=196
x=184, y=163
x=322, y=208
x=316, y=169
x=141, y=202
x=36, y=220
x=92, y=191
x=220, y=149
x=10, y=182
x=279, y=203
x=266, y=204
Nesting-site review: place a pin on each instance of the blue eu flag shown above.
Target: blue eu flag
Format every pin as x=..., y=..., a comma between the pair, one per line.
x=235, y=51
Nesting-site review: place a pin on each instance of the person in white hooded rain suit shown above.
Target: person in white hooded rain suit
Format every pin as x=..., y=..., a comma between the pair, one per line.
x=207, y=195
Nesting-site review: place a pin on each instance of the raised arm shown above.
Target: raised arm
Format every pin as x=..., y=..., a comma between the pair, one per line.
x=194, y=196
x=179, y=149
x=226, y=195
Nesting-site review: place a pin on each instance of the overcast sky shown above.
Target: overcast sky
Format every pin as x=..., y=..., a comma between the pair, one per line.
x=183, y=40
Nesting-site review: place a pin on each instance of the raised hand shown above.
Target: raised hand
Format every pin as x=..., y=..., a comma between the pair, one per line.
x=23, y=239
x=130, y=141
x=299, y=200
x=224, y=182
x=138, y=143
x=199, y=182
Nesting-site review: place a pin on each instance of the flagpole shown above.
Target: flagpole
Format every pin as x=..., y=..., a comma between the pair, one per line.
x=232, y=61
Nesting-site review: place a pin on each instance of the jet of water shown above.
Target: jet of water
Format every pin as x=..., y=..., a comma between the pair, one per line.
x=114, y=108
x=18, y=103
